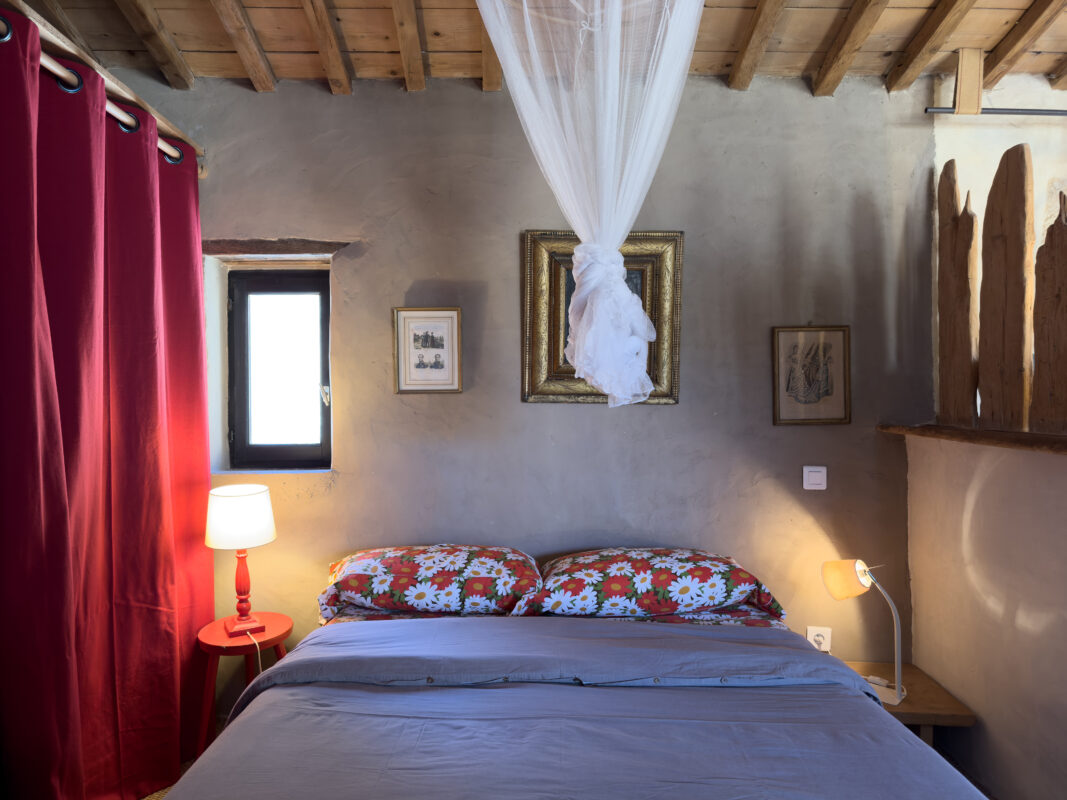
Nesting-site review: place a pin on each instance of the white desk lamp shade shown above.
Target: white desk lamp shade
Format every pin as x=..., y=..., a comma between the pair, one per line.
x=850, y=577
x=846, y=578
x=239, y=516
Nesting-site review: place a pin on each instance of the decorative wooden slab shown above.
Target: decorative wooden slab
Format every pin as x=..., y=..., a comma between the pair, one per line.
x=1048, y=407
x=1006, y=335
x=957, y=306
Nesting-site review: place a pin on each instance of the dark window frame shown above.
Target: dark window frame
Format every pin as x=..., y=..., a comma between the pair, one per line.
x=241, y=283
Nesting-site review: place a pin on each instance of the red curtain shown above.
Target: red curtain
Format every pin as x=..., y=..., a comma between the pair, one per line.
x=104, y=577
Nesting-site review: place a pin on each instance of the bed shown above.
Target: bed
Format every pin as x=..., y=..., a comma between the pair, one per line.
x=461, y=671
x=562, y=707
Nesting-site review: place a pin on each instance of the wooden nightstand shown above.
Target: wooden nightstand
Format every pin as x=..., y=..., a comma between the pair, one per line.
x=927, y=704
x=216, y=642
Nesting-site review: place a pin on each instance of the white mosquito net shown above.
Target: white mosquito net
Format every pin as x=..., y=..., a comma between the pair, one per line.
x=597, y=84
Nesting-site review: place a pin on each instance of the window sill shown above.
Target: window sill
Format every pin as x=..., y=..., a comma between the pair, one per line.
x=221, y=473
x=1017, y=440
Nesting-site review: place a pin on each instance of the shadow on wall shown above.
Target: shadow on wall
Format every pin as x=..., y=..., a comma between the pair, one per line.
x=887, y=308
x=471, y=297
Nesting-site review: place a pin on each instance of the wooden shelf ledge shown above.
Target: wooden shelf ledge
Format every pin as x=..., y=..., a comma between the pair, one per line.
x=1017, y=440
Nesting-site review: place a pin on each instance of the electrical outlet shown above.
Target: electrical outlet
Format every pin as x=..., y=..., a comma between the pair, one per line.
x=820, y=637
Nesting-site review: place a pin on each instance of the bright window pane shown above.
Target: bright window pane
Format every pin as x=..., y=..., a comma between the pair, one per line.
x=284, y=369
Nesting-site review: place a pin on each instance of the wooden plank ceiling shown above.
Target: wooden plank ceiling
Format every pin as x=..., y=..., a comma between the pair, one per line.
x=336, y=41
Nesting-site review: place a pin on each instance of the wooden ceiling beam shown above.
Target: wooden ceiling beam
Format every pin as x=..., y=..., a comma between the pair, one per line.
x=1020, y=38
x=1058, y=79
x=321, y=23
x=56, y=43
x=938, y=26
x=407, y=34
x=145, y=21
x=235, y=20
x=492, y=74
x=57, y=15
x=755, y=43
x=861, y=19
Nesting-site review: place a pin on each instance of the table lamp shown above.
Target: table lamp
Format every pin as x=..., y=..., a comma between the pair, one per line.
x=851, y=578
x=239, y=516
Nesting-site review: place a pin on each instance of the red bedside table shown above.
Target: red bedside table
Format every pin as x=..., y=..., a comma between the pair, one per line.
x=216, y=642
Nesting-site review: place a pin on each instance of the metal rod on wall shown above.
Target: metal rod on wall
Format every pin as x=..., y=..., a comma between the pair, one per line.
x=73, y=82
x=1005, y=112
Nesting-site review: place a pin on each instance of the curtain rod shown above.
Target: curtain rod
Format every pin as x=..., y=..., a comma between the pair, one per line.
x=73, y=81
x=1006, y=112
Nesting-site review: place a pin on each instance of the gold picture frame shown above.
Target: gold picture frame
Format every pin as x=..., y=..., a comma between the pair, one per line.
x=428, y=350
x=812, y=376
x=653, y=261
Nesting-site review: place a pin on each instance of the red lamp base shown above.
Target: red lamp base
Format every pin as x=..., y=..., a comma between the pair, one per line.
x=235, y=626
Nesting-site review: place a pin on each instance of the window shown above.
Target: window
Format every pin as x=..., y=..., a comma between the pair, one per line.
x=279, y=377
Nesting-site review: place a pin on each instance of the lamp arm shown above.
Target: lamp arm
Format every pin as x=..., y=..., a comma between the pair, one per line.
x=896, y=633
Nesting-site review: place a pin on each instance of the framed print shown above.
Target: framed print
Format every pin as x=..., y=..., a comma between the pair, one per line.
x=811, y=376
x=428, y=349
x=653, y=262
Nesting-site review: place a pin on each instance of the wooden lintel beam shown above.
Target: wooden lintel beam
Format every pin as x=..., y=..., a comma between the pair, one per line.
x=145, y=21
x=1058, y=79
x=57, y=15
x=492, y=75
x=321, y=23
x=755, y=43
x=235, y=20
x=407, y=35
x=861, y=19
x=938, y=26
x=1020, y=38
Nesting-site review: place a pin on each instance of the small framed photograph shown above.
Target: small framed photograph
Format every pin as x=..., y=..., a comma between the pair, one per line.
x=811, y=376
x=428, y=347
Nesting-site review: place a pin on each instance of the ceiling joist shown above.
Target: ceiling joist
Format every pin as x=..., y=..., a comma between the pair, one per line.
x=321, y=24
x=57, y=15
x=235, y=20
x=861, y=19
x=1020, y=39
x=938, y=26
x=407, y=35
x=1058, y=79
x=145, y=21
x=755, y=43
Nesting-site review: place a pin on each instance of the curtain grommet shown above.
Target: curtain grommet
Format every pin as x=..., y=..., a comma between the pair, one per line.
x=130, y=128
x=171, y=159
x=9, y=28
x=76, y=87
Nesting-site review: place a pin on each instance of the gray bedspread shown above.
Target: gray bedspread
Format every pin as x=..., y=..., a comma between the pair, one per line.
x=562, y=708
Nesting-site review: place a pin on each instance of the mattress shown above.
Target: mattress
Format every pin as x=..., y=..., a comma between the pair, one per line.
x=550, y=707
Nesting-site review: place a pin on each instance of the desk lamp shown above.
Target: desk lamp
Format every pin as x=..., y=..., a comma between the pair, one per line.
x=851, y=578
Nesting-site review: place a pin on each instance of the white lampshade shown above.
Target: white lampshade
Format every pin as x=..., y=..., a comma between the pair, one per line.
x=239, y=516
x=846, y=578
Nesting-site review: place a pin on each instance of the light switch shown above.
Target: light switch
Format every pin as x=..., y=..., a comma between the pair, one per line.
x=815, y=478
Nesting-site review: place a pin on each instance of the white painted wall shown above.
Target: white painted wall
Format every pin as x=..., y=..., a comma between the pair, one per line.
x=987, y=553
x=977, y=142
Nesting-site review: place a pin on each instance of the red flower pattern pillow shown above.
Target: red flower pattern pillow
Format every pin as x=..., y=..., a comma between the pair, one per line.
x=643, y=582
x=445, y=578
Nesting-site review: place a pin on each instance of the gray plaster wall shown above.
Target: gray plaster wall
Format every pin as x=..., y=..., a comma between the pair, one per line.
x=796, y=210
x=987, y=553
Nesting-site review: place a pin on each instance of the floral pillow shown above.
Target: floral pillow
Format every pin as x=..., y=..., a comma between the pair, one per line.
x=644, y=582
x=446, y=578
